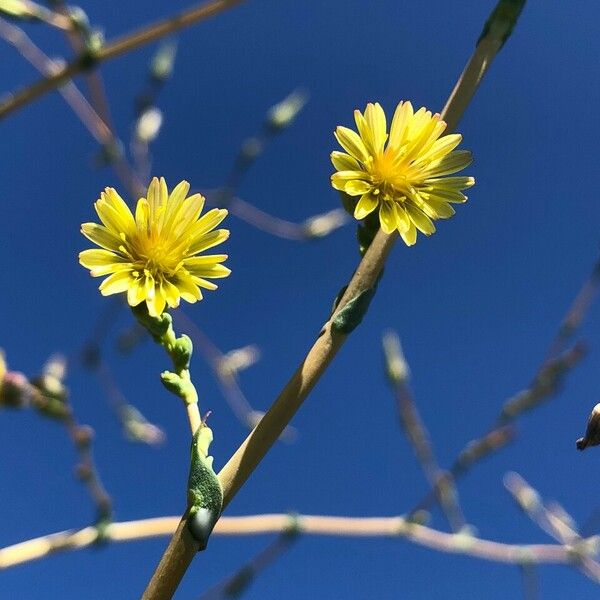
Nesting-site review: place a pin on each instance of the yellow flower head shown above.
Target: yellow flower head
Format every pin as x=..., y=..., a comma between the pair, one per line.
x=152, y=256
x=405, y=178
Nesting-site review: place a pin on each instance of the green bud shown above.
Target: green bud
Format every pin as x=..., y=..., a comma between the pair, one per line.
x=173, y=382
x=181, y=353
x=163, y=61
x=205, y=495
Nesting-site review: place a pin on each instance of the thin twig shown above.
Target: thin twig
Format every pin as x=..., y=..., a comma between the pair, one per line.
x=236, y=584
x=227, y=381
x=122, y=45
x=92, y=121
x=442, y=483
x=583, y=549
x=544, y=385
x=393, y=527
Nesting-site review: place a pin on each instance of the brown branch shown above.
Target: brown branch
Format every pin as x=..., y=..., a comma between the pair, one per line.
x=392, y=527
x=442, y=483
x=110, y=50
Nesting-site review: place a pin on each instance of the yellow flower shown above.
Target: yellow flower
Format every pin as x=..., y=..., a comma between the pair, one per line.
x=152, y=256
x=405, y=179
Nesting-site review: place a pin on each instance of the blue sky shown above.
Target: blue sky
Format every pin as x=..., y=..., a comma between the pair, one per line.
x=475, y=305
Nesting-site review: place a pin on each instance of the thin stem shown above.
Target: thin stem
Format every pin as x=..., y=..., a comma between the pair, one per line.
x=121, y=45
x=394, y=527
x=181, y=550
x=442, y=483
x=235, y=585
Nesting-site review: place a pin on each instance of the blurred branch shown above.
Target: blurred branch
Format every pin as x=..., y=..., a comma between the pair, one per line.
x=530, y=580
x=314, y=227
x=235, y=585
x=392, y=527
x=546, y=382
x=96, y=126
x=48, y=395
x=32, y=11
x=182, y=547
x=122, y=45
x=442, y=483
x=226, y=376
x=558, y=525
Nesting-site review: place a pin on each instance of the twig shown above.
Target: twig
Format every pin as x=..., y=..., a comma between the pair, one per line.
x=182, y=548
x=121, y=45
x=554, y=525
x=393, y=527
x=441, y=483
x=236, y=584
x=228, y=383
x=543, y=386
x=313, y=227
x=49, y=396
x=96, y=126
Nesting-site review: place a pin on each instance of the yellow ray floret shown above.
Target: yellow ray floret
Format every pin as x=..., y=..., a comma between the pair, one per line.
x=153, y=256
x=405, y=179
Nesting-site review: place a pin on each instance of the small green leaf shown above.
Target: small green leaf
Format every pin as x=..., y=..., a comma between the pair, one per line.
x=350, y=317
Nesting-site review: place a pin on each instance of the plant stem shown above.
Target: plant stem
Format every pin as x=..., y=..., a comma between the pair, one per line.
x=181, y=550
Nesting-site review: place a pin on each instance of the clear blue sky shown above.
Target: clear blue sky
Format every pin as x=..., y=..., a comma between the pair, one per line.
x=475, y=305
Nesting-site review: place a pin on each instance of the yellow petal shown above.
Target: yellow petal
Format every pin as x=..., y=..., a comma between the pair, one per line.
x=136, y=292
x=420, y=219
x=401, y=119
x=357, y=187
x=350, y=141
x=375, y=118
x=101, y=236
x=366, y=205
x=387, y=217
x=344, y=162
x=451, y=163
x=208, y=240
x=365, y=132
x=409, y=236
x=116, y=283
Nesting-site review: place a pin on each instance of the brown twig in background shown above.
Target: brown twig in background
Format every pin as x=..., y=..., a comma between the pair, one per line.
x=555, y=525
x=226, y=378
x=550, y=373
x=442, y=483
x=49, y=396
x=92, y=121
x=235, y=585
x=126, y=43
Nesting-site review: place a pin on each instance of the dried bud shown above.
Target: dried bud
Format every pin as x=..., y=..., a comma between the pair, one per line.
x=592, y=432
x=83, y=435
x=148, y=125
x=396, y=367
x=283, y=113
x=83, y=472
x=238, y=360
x=15, y=391
x=321, y=225
x=163, y=61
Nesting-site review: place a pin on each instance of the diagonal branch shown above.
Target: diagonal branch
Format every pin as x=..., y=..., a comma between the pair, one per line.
x=121, y=45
